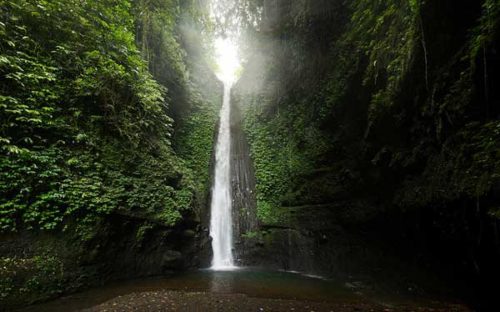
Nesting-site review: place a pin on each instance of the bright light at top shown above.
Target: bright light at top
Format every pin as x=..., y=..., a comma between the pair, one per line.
x=228, y=63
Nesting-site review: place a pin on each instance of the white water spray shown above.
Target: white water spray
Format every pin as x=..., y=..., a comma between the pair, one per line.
x=221, y=221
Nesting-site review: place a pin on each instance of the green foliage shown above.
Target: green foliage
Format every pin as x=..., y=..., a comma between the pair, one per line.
x=487, y=29
x=251, y=234
x=267, y=213
x=394, y=118
x=87, y=100
x=85, y=128
x=256, y=236
x=284, y=149
x=195, y=140
x=141, y=233
x=193, y=92
x=41, y=275
x=469, y=165
x=386, y=35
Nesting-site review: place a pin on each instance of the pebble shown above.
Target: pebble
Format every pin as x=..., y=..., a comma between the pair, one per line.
x=173, y=301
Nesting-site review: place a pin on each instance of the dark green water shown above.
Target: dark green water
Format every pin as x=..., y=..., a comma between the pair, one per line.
x=251, y=282
x=266, y=284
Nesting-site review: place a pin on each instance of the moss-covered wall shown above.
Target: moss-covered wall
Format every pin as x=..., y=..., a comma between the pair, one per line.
x=107, y=113
x=385, y=112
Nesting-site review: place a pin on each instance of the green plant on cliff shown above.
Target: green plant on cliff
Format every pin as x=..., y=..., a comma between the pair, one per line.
x=30, y=277
x=86, y=130
x=195, y=140
x=88, y=98
x=86, y=126
x=394, y=111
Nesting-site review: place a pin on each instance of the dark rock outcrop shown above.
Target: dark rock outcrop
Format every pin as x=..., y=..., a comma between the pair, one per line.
x=119, y=247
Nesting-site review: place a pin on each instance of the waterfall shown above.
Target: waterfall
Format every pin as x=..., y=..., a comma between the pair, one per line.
x=221, y=221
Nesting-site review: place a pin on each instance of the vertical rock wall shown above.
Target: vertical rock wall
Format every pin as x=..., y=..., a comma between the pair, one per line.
x=243, y=183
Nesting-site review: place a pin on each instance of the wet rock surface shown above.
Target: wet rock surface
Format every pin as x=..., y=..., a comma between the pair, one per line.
x=243, y=184
x=123, y=247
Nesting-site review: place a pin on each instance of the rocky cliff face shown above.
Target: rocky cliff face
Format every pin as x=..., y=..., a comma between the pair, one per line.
x=243, y=185
x=46, y=265
x=368, y=125
x=107, y=185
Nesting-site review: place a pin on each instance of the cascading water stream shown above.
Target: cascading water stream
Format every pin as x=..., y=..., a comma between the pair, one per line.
x=221, y=223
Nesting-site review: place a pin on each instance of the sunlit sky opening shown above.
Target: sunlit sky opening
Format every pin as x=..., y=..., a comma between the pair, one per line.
x=228, y=63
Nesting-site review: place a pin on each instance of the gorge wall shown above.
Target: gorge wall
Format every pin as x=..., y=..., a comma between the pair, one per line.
x=108, y=112
x=373, y=127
